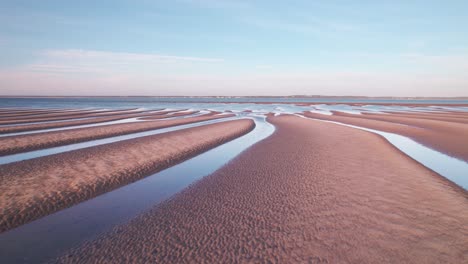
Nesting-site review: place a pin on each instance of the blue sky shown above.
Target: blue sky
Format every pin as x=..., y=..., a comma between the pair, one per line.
x=227, y=47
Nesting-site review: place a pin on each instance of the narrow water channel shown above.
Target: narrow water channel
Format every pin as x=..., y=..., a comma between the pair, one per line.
x=70, y=227
x=451, y=168
x=91, y=143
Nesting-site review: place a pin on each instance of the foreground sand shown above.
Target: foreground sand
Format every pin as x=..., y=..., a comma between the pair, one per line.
x=313, y=192
x=34, y=188
x=447, y=137
x=23, y=143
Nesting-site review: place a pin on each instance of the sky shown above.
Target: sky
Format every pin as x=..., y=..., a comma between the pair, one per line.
x=232, y=48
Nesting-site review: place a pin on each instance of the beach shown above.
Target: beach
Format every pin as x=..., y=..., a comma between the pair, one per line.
x=31, y=189
x=305, y=194
x=308, y=184
x=17, y=144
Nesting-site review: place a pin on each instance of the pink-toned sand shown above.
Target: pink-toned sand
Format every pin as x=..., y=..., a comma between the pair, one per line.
x=447, y=117
x=32, y=127
x=22, y=143
x=30, y=113
x=178, y=114
x=429, y=123
x=66, y=115
x=34, y=188
x=446, y=137
x=313, y=192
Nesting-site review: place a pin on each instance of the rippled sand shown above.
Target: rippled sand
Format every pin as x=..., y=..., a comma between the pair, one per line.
x=313, y=192
x=34, y=188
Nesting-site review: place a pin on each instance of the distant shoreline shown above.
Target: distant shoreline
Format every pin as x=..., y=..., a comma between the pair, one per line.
x=248, y=97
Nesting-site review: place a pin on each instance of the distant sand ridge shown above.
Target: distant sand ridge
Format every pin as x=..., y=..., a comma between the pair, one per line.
x=93, y=120
x=442, y=135
x=17, y=144
x=68, y=115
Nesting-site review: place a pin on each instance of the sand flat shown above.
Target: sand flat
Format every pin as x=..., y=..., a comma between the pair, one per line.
x=177, y=114
x=65, y=115
x=39, y=126
x=31, y=189
x=313, y=192
x=441, y=136
x=433, y=123
x=432, y=116
x=23, y=143
x=93, y=120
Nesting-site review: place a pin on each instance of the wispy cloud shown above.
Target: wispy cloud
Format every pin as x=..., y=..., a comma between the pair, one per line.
x=73, y=54
x=100, y=62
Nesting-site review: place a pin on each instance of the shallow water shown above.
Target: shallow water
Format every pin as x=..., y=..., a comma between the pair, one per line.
x=70, y=227
x=122, y=102
x=91, y=143
x=85, y=221
x=121, y=121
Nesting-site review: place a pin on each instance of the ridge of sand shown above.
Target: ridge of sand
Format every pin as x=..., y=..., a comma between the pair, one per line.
x=29, y=142
x=94, y=120
x=169, y=116
x=32, y=113
x=35, y=188
x=312, y=192
x=430, y=116
x=66, y=116
x=433, y=124
x=441, y=137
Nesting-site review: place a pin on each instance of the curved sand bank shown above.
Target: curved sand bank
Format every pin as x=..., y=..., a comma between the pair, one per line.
x=433, y=124
x=23, y=143
x=40, y=126
x=65, y=115
x=312, y=192
x=58, y=113
x=31, y=113
x=32, y=189
x=429, y=116
x=177, y=114
x=435, y=136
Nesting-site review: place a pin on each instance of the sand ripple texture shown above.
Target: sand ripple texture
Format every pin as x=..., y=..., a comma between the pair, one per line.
x=443, y=136
x=35, y=188
x=313, y=192
x=23, y=143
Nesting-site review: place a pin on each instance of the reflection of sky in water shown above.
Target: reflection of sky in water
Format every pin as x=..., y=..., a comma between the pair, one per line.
x=69, y=227
x=97, y=142
x=121, y=121
x=451, y=168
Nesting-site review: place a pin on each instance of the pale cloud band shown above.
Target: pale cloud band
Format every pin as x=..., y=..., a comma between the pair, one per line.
x=90, y=72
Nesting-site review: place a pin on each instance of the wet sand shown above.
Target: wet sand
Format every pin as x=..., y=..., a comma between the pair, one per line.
x=31, y=113
x=171, y=115
x=65, y=115
x=34, y=188
x=32, y=127
x=45, y=114
x=433, y=123
x=23, y=143
x=445, y=137
x=431, y=116
x=313, y=192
